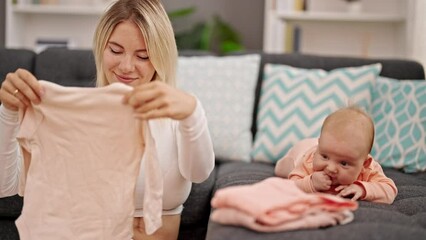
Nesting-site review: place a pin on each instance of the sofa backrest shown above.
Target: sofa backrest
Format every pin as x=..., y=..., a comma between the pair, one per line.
x=67, y=67
x=392, y=68
x=12, y=59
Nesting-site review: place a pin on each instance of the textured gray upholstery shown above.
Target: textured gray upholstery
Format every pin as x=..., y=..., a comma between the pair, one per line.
x=12, y=59
x=406, y=218
x=66, y=67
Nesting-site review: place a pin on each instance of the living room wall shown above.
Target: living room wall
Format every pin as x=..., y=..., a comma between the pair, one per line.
x=246, y=18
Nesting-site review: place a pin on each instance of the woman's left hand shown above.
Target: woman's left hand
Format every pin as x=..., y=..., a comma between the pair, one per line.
x=159, y=100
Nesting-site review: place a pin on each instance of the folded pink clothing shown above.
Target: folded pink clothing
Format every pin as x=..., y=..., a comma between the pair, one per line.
x=276, y=201
x=85, y=149
x=235, y=217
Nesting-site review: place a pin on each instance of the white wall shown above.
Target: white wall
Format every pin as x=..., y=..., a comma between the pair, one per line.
x=416, y=31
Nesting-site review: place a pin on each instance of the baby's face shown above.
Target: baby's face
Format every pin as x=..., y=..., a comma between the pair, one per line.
x=340, y=156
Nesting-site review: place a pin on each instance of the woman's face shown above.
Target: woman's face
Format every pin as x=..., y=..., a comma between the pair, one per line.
x=125, y=58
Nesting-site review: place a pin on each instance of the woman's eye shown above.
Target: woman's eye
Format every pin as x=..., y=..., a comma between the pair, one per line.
x=114, y=51
x=143, y=57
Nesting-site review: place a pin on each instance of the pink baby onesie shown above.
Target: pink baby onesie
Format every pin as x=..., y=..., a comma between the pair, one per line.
x=277, y=204
x=378, y=187
x=85, y=150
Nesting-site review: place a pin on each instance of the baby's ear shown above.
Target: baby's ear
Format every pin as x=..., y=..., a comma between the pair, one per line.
x=367, y=161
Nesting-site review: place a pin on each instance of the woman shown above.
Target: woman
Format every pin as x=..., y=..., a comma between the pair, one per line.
x=134, y=44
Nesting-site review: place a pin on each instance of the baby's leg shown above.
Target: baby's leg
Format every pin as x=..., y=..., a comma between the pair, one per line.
x=284, y=166
x=287, y=163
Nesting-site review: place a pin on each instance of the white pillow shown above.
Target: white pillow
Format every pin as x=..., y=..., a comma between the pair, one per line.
x=226, y=88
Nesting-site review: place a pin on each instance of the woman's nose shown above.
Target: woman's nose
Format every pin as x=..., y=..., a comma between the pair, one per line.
x=126, y=64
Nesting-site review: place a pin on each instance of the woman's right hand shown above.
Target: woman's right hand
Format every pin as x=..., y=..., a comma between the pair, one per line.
x=19, y=89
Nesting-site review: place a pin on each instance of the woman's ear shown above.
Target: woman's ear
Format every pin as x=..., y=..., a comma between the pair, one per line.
x=367, y=161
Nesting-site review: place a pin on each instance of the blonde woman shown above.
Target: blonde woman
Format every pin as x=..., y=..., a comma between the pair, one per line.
x=133, y=44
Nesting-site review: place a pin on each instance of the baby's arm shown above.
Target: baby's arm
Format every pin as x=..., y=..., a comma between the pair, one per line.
x=377, y=187
x=355, y=190
x=310, y=183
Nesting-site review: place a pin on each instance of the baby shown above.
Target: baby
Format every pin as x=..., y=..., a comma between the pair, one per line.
x=339, y=162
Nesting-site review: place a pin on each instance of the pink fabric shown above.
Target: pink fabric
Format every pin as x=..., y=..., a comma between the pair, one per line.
x=277, y=204
x=293, y=157
x=86, y=148
x=235, y=217
x=153, y=199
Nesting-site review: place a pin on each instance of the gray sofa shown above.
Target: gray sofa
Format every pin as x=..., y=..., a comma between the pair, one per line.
x=405, y=218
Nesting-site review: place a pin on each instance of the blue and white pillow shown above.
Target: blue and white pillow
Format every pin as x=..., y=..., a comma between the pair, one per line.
x=294, y=103
x=226, y=88
x=399, y=113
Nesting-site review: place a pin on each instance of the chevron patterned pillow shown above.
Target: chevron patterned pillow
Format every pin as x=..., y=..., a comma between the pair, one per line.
x=399, y=113
x=294, y=103
x=217, y=82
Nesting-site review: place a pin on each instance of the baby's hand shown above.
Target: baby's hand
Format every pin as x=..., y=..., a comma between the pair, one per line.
x=353, y=190
x=320, y=181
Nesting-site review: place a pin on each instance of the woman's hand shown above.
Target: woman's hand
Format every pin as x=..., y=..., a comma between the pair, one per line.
x=159, y=100
x=19, y=89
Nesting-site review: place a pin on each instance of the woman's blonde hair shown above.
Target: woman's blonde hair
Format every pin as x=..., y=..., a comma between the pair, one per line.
x=156, y=28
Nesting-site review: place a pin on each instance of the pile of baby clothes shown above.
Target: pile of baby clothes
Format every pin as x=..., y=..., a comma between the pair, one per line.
x=277, y=204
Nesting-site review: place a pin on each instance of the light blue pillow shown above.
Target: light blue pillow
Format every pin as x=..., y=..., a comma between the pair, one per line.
x=399, y=113
x=226, y=88
x=294, y=103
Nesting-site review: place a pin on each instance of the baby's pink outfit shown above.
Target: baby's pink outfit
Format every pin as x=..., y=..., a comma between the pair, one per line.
x=378, y=187
x=85, y=151
x=277, y=204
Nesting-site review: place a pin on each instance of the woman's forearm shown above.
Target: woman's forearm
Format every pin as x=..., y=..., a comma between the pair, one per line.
x=10, y=153
x=196, y=156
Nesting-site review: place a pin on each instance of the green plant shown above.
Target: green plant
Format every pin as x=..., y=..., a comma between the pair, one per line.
x=212, y=35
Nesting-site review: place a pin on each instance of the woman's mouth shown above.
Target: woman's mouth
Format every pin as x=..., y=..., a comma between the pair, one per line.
x=124, y=79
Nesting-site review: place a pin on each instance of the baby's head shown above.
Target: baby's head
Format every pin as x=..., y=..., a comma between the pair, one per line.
x=346, y=139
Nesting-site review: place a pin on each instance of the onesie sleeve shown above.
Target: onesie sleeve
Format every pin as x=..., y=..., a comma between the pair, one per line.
x=29, y=119
x=378, y=187
x=195, y=147
x=302, y=172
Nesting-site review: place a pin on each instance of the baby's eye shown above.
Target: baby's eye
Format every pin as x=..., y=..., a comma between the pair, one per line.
x=344, y=163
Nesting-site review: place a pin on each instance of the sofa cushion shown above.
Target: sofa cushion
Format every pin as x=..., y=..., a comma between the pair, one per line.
x=225, y=86
x=241, y=173
x=196, y=210
x=399, y=113
x=11, y=207
x=404, y=219
x=294, y=103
